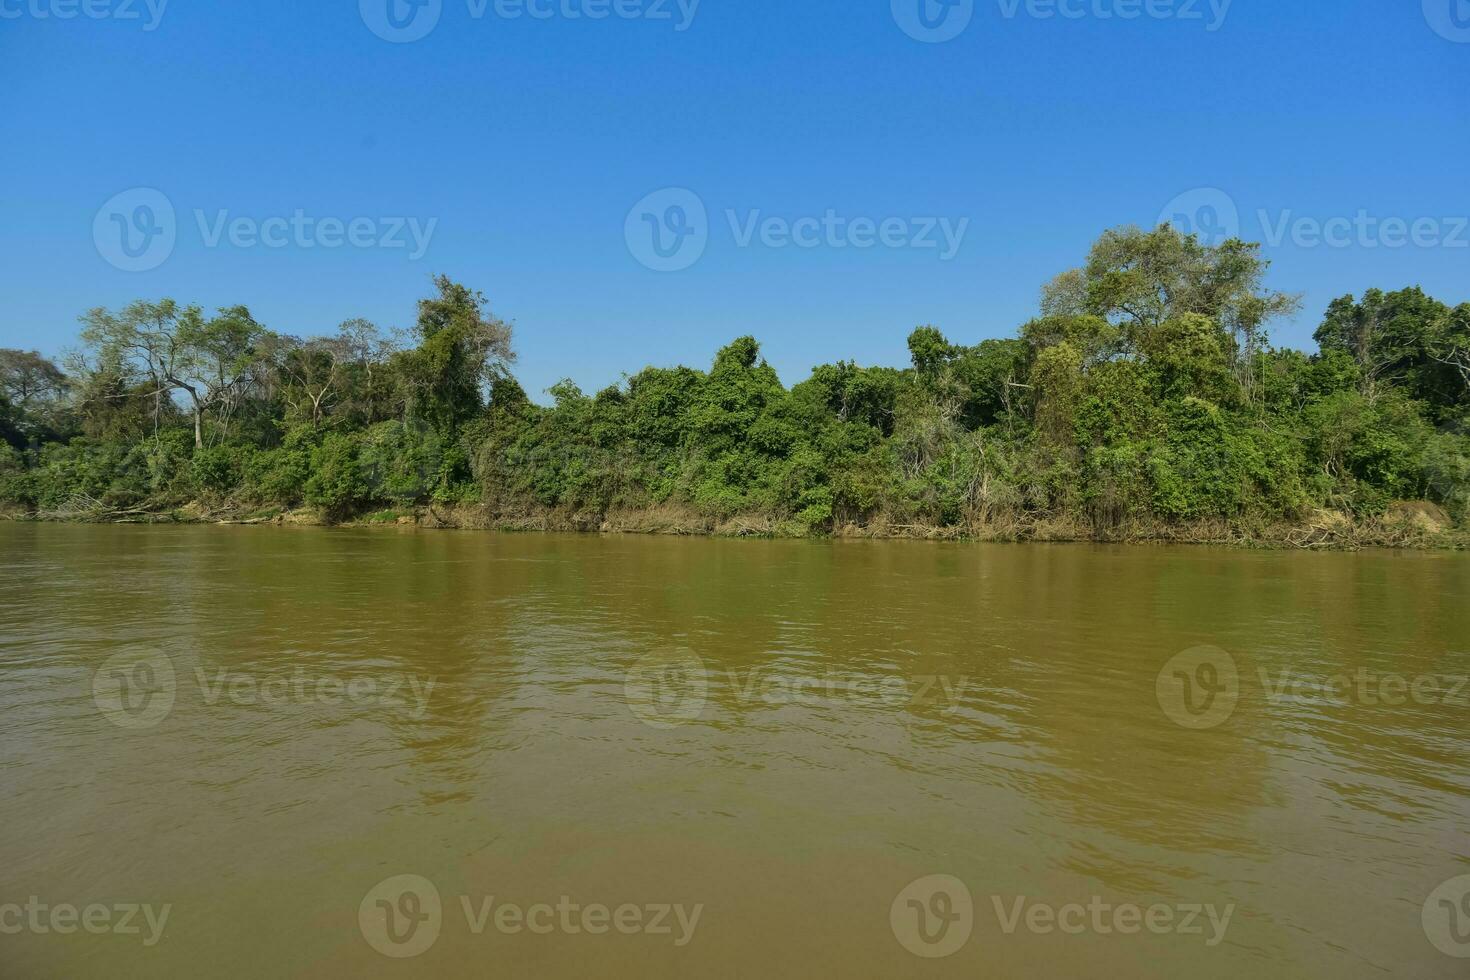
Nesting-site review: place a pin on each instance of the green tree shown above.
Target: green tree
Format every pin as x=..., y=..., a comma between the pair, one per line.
x=1140, y=279
x=177, y=350
x=462, y=350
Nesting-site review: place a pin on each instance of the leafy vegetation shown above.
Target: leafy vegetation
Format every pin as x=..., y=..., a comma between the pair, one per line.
x=1145, y=397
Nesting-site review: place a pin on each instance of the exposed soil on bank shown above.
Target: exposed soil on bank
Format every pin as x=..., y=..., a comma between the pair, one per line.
x=1407, y=524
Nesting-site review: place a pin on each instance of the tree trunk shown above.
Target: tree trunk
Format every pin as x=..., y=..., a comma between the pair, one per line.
x=198, y=416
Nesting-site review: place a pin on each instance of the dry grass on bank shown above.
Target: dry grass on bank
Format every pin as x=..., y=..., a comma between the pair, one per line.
x=1406, y=524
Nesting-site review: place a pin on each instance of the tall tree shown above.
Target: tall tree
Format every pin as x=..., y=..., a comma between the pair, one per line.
x=1404, y=338
x=177, y=350
x=462, y=349
x=35, y=389
x=27, y=377
x=1139, y=279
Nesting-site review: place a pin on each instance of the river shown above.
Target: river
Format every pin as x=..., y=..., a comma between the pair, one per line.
x=302, y=752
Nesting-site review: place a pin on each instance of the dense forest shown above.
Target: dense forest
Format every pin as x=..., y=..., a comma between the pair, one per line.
x=1144, y=400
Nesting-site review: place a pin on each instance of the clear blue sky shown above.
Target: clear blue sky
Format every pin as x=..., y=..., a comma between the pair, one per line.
x=530, y=139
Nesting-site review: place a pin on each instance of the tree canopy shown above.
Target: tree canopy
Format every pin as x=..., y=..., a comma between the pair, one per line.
x=1145, y=393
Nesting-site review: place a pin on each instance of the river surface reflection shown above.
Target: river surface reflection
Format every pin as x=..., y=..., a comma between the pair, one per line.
x=384, y=753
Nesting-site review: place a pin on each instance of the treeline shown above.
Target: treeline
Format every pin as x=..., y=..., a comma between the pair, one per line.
x=1145, y=396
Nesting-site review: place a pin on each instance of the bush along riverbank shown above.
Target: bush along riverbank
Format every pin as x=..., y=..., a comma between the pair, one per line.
x=1144, y=402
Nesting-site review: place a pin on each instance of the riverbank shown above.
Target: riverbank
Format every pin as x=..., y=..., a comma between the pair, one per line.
x=1406, y=524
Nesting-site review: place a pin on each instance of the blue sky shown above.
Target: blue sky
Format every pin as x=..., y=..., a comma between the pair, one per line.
x=519, y=145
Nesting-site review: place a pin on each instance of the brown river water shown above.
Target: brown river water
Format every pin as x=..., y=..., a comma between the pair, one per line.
x=247, y=752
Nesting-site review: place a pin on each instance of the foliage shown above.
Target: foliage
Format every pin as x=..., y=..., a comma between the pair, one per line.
x=1145, y=394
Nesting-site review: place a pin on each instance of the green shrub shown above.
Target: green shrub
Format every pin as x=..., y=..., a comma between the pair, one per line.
x=276, y=476
x=215, y=470
x=337, y=481
x=17, y=485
